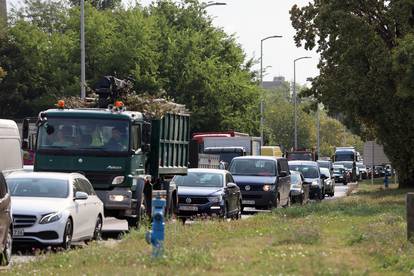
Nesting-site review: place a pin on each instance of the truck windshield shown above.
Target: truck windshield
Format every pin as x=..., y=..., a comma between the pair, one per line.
x=344, y=156
x=95, y=135
x=253, y=167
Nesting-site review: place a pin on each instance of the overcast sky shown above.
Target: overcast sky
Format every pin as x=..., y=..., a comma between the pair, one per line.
x=251, y=21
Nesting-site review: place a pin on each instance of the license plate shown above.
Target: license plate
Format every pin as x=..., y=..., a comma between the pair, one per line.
x=248, y=202
x=188, y=208
x=18, y=232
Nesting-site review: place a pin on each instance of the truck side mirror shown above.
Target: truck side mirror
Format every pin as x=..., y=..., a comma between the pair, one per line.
x=25, y=134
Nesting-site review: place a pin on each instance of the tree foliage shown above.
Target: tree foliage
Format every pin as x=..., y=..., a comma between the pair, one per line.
x=279, y=125
x=171, y=47
x=366, y=69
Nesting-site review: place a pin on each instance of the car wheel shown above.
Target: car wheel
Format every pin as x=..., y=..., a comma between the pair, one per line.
x=97, y=233
x=67, y=235
x=6, y=254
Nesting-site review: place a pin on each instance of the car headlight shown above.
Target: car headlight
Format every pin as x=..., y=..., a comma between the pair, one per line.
x=118, y=180
x=315, y=183
x=214, y=199
x=295, y=186
x=117, y=198
x=268, y=188
x=52, y=217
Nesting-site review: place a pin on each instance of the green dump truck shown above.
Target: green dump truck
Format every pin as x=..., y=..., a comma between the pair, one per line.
x=124, y=154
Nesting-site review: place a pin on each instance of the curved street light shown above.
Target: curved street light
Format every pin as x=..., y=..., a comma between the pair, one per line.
x=261, y=83
x=212, y=3
x=295, y=100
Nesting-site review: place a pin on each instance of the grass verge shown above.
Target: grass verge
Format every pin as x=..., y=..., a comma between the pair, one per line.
x=364, y=233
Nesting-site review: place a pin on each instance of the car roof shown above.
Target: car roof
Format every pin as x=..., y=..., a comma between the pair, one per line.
x=258, y=157
x=303, y=162
x=208, y=170
x=49, y=175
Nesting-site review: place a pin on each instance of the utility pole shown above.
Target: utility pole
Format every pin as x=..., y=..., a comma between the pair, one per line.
x=318, y=126
x=3, y=11
x=261, y=85
x=82, y=46
x=295, y=142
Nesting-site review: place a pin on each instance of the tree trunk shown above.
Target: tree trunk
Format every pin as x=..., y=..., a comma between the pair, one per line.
x=3, y=11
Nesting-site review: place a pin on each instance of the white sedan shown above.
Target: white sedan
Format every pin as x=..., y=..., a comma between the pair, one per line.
x=54, y=208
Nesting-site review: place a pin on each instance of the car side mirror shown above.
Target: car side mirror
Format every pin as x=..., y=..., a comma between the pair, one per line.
x=81, y=196
x=231, y=185
x=283, y=174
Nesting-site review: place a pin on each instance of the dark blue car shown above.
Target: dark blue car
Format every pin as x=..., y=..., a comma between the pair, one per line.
x=264, y=181
x=207, y=192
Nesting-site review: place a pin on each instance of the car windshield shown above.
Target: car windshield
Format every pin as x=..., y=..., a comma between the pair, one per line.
x=199, y=179
x=256, y=167
x=95, y=135
x=347, y=165
x=308, y=171
x=38, y=187
x=323, y=164
x=325, y=171
x=295, y=178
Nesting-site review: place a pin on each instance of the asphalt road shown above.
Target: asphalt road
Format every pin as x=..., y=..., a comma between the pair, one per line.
x=113, y=229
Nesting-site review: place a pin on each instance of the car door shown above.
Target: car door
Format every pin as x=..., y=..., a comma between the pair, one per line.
x=284, y=181
x=232, y=194
x=92, y=206
x=5, y=218
x=81, y=216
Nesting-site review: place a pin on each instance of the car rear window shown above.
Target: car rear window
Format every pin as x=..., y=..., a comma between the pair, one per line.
x=306, y=170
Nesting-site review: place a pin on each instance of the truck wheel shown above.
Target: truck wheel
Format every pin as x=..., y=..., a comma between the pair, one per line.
x=141, y=213
x=5, y=256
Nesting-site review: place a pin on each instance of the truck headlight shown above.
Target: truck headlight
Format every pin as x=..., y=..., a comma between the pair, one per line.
x=214, y=199
x=49, y=218
x=118, y=180
x=117, y=198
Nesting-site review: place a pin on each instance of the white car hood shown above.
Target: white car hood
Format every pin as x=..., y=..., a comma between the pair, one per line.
x=37, y=205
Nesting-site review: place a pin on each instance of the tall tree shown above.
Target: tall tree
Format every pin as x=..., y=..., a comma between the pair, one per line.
x=366, y=69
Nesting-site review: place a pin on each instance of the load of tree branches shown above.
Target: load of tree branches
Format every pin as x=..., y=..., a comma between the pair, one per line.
x=110, y=89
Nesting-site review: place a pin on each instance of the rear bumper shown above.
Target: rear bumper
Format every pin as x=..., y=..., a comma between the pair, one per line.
x=258, y=198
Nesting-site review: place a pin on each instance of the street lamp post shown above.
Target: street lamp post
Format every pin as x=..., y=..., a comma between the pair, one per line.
x=261, y=84
x=82, y=46
x=295, y=101
x=211, y=3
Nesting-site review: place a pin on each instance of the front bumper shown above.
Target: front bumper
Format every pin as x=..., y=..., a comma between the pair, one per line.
x=195, y=210
x=296, y=192
x=314, y=192
x=258, y=198
x=46, y=234
x=116, y=199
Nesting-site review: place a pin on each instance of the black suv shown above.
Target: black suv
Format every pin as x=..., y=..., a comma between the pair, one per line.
x=5, y=223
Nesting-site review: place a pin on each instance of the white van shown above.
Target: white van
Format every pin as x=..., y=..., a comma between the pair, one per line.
x=10, y=150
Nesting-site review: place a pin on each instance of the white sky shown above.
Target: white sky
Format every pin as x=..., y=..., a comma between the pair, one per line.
x=251, y=21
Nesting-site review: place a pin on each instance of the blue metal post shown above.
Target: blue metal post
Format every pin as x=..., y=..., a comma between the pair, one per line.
x=156, y=235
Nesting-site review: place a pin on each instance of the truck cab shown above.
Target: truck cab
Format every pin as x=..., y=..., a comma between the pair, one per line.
x=123, y=154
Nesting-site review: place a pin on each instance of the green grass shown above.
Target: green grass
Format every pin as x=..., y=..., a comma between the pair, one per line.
x=360, y=235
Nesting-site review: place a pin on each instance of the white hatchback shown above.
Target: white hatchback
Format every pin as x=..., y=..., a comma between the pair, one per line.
x=54, y=208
